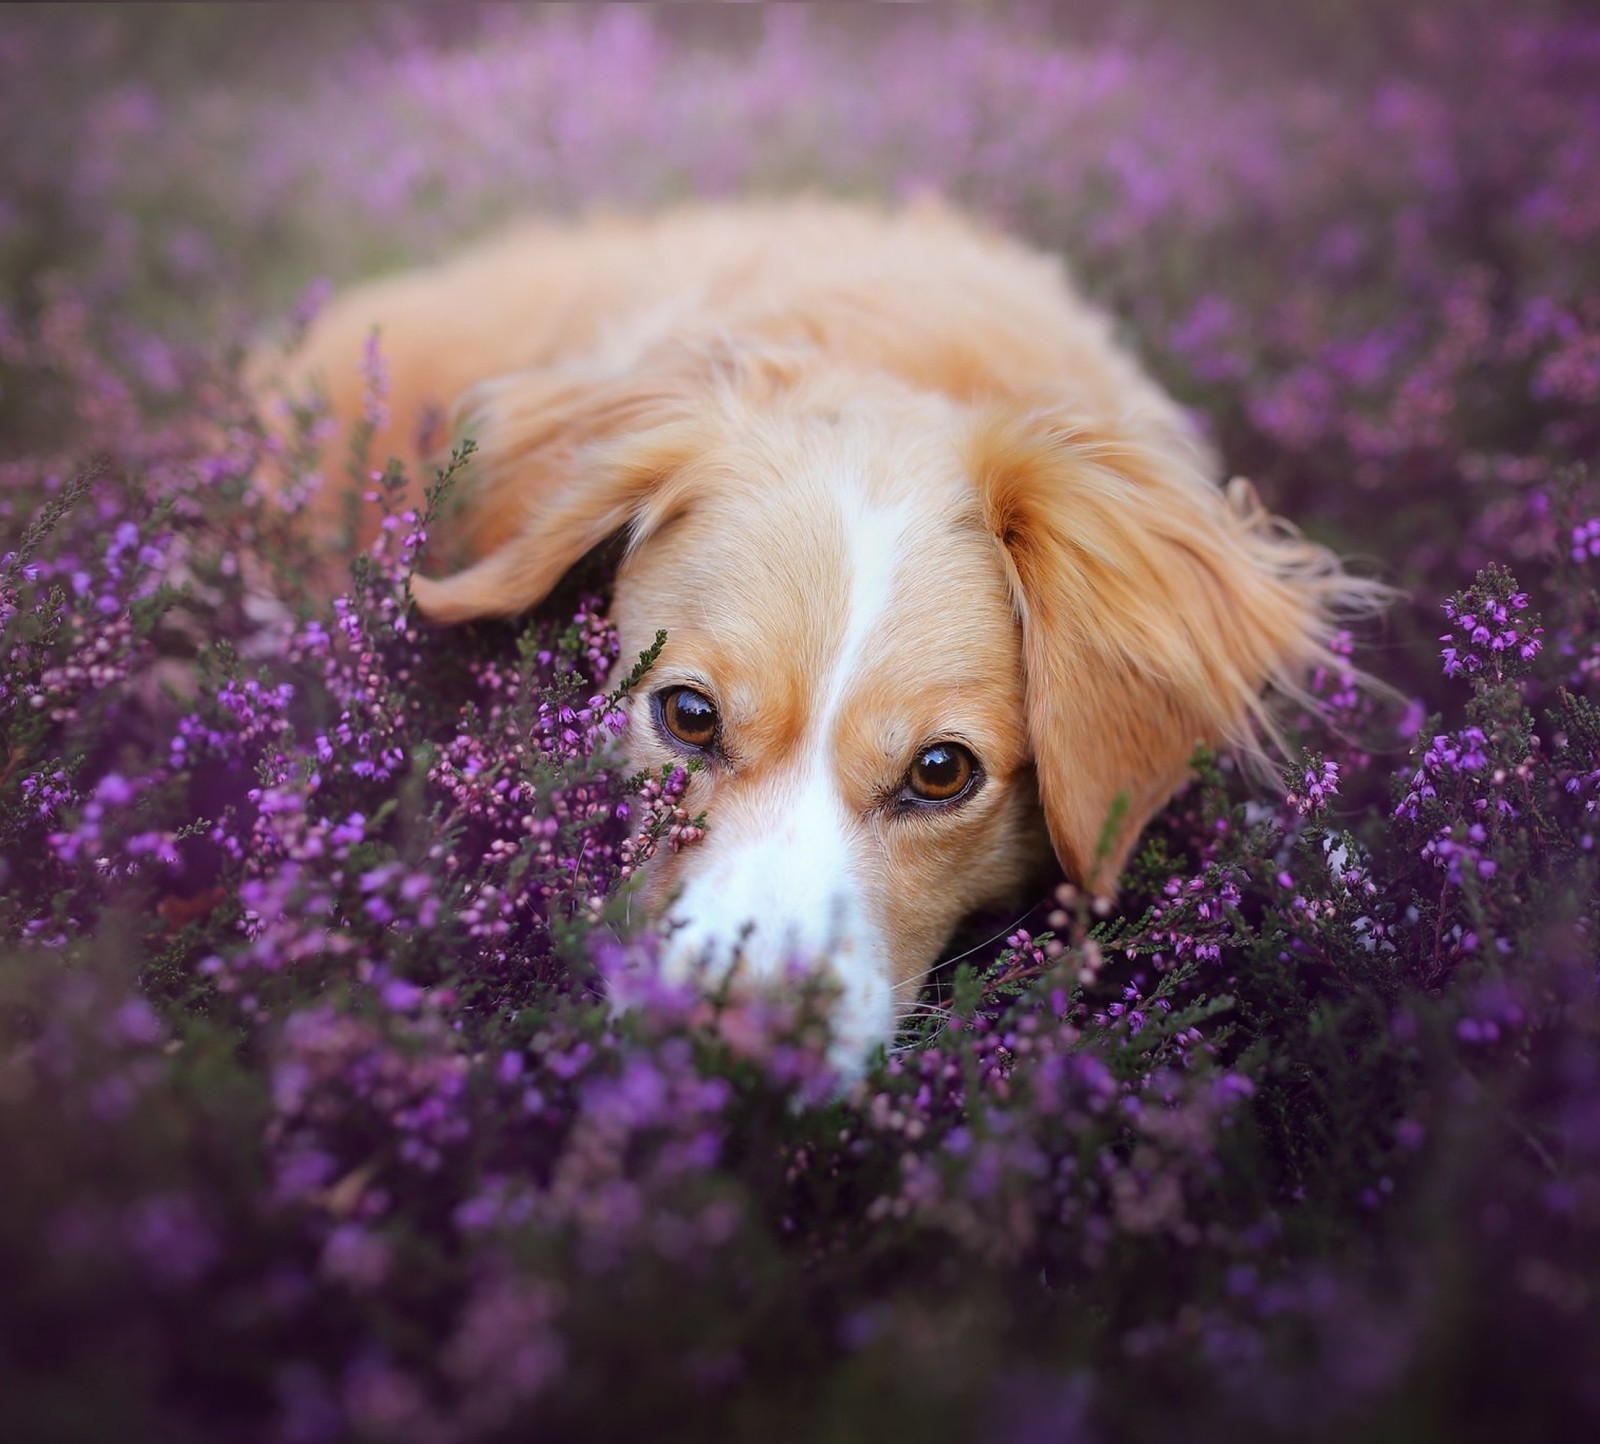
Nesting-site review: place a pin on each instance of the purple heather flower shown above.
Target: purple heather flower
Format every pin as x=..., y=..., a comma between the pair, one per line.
x=354, y=1256
x=1586, y=540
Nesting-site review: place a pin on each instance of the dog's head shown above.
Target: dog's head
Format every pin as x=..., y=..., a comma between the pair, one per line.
x=908, y=637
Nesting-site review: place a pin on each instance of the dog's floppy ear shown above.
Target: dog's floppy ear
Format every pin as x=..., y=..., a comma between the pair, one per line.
x=562, y=464
x=568, y=457
x=1155, y=610
x=565, y=459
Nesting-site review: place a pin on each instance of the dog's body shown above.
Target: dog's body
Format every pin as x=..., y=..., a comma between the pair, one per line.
x=942, y=571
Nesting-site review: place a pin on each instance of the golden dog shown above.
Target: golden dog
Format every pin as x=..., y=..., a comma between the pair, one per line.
x=943, y=573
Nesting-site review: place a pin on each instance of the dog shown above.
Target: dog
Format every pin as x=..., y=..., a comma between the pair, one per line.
x=947, y=580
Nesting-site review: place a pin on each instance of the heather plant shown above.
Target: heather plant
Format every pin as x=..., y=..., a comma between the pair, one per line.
x=321, y=1114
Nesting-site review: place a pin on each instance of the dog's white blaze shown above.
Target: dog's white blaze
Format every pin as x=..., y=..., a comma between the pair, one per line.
x=875, y=537
x=783, y=884
x=783, y=893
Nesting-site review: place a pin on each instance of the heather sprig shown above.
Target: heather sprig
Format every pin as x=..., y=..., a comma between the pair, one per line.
x=1492, y=632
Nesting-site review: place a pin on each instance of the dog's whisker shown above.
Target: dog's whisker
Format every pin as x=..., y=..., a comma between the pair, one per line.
x=1006, y=931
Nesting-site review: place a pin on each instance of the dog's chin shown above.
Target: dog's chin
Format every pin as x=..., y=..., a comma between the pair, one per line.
x=830, y=964
x=831, y=956
x=849, y=977
x=844, y=991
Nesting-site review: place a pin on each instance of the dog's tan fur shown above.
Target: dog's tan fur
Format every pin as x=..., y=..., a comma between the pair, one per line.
x=1073, y=595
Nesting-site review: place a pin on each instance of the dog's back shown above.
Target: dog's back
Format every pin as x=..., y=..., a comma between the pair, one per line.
x=921, y=293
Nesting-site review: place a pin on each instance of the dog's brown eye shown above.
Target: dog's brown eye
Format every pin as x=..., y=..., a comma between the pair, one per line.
x=689, y=716
x=941, y=773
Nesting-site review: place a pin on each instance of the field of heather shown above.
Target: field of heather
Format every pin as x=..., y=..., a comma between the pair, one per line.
x=314, y=1123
